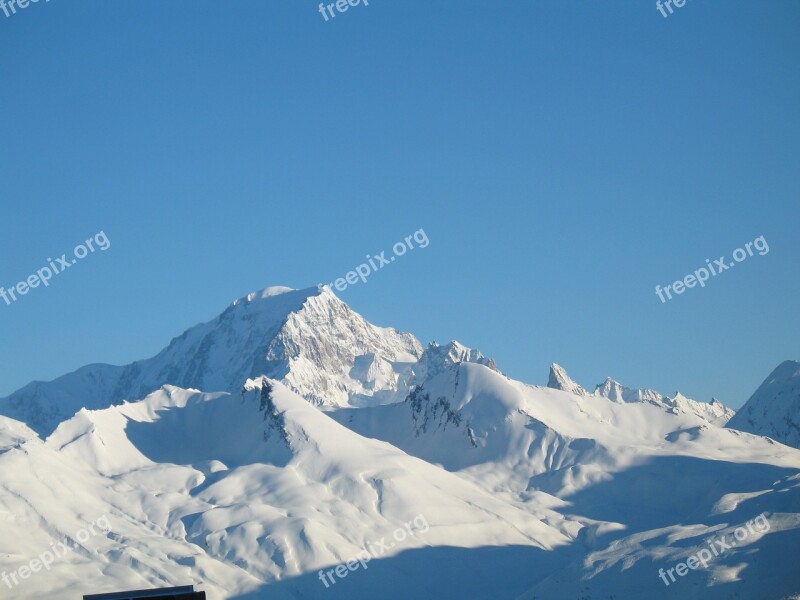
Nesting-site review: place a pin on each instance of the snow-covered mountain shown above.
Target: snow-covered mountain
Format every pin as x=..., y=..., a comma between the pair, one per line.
x=317, y=437
x=714, y=412
x=774, y=408
x=309, y=339
x=525, y=439
x=235, y=490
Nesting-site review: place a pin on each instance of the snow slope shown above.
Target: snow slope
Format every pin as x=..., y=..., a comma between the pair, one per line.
x=521, y=438
x=774, y=408
x=232, y=492
x=647, y=485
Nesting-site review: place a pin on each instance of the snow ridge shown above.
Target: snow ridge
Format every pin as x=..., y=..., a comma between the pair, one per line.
x=714, y=412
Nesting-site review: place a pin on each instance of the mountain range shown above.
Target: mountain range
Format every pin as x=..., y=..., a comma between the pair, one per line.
x=263, y=449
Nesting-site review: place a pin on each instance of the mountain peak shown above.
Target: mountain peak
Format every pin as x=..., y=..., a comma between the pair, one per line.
x=713, y=412
x=438, y=358
x=271, y=292
x=774, y=408
x=305, y=338
x=560, y=380
x=616, y=392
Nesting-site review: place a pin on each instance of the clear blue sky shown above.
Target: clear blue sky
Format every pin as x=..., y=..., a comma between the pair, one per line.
x=563, y=158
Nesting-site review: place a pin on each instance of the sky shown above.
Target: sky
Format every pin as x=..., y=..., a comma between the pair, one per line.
x=563, y=158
